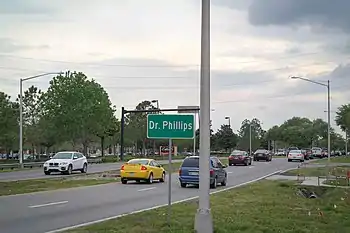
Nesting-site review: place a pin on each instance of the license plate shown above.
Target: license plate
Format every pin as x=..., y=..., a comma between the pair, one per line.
x=131, y=173
x=193, y=173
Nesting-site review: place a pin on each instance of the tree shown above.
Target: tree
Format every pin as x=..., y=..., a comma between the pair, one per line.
x=77, y=107
x=8, y=123
x=342, y=118
x=31, y=115
x=226, y=138
x=136, y=125
x=257, y=134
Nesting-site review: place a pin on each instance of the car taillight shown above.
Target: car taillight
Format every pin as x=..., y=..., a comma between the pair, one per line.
x=143, y=168
x=180, y=172
x=211, y=172
x=230, y=157
x=122, y=168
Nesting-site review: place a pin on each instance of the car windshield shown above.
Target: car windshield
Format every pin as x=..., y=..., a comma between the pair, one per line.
x=139, y=161
x=260, y=151
x=295, y=151
x=237, y=153
x=191, y=162
x=280, y=150
x=63, y=155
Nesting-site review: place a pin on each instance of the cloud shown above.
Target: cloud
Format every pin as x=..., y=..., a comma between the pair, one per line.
x=316, y=13
x=8, y=46
x=142, y=50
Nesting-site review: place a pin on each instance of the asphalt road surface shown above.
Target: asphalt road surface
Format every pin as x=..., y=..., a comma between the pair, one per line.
x=39, y=173
x=48, y=211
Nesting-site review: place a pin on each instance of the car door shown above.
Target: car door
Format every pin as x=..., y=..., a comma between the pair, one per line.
x=217, y=166
x=155, y=169
x=76, y=162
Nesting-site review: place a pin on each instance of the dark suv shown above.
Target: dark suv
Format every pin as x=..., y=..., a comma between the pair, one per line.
x=262, y=154
x=189, y=172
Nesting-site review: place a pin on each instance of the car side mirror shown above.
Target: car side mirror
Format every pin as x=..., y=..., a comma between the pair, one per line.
x=159, y=165
x=50, y=157
x=75, y=157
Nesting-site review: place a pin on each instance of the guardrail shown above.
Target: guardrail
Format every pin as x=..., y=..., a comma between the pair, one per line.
x=12, y=166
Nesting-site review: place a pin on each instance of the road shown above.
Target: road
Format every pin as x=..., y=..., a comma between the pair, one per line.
x=47, y=211
x=39, y=173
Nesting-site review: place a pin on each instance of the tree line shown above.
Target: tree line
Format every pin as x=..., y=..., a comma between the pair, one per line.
x=75, y=112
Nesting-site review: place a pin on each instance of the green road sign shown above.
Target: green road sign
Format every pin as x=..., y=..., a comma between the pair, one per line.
x=171, y=126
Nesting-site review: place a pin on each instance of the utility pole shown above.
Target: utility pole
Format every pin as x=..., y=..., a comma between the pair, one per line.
x=203, y=218
x=250, y=139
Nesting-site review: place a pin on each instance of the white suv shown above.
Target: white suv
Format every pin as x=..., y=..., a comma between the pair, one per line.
x=66, y=162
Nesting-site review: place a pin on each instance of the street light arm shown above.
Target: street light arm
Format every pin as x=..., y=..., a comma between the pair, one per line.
x=40, y=75
x=311, y=81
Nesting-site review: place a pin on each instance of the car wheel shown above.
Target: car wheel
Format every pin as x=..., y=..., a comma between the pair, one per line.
x=84, y=169
x=163, y=178
x=289, y=160
x=213, y=185
x=245, y=163
x=250, y=163
x=183, y=185
x=224, y=182
x=150, y=179
x=69, y=170
x=47, y=173
x=124, y=181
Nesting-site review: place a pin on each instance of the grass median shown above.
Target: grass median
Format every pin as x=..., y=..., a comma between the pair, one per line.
x=318, y=171
x=36, y=185
x=266, y=206
x=338, y=182
x=340, y=159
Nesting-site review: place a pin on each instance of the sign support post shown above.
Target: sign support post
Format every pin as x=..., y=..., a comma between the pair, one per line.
x=169, y=181
x=171, y=126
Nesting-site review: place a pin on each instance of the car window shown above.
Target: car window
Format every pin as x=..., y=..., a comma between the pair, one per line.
x=295, y=151
x=236, y=152
x=214, y=163
x=191, y=162
x=155, y=163
x=63, y=155
x=260, y=151
x=138, y=161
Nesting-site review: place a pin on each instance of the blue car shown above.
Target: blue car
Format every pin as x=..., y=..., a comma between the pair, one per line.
x=189, y=172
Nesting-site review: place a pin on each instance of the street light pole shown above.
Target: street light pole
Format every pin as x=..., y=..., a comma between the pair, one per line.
x=250, y=139
x=229, y=121
x=203, y=218
x=328, y=86
x=154, y=141
x=21, y=111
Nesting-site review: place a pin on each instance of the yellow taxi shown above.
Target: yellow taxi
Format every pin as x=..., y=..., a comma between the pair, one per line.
x=142, y=170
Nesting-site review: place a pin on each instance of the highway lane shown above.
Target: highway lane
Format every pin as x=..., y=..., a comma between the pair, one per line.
x=47, y=211
x=39, y=173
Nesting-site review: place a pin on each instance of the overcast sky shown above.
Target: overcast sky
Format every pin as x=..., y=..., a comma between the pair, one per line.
x=144, y=50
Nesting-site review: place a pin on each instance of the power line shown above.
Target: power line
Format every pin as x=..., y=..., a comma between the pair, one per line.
x=148, y=66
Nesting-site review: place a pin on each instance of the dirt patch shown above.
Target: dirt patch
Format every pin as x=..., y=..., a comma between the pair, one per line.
x=96, y=176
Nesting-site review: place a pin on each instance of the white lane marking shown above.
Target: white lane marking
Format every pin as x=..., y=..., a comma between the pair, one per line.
x=158, y=206
x=229, y=172
x=146, y=189
x=48, y=204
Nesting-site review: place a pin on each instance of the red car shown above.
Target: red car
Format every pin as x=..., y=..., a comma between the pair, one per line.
x=239, y=157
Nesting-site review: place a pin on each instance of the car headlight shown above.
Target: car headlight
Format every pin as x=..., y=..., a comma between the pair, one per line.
x=63, y=163
x=46, y=163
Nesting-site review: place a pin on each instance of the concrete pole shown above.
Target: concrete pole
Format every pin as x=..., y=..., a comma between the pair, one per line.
x=203, y=218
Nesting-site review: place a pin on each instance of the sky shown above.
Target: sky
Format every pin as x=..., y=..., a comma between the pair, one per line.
x=150, y=50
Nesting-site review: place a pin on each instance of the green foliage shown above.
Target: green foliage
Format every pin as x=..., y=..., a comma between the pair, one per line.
x=342, y=118
x=225, y=138
x=257, y=134
x=8, y=123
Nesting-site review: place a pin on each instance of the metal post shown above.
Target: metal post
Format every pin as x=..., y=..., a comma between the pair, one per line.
x=250, y=139
x=346, y=142
x=169, y=182
x=194, y=138
x=329, y=124
x=21, y=122
x=203, y=218
x=122, y=122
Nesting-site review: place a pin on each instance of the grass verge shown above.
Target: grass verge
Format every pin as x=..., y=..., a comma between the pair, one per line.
x=337, y=182
x=318, y=171
x=266, y=206
x=340, y=159
x=36, y=185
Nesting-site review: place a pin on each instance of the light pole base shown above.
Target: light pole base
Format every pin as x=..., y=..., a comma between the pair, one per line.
x=203, y=222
